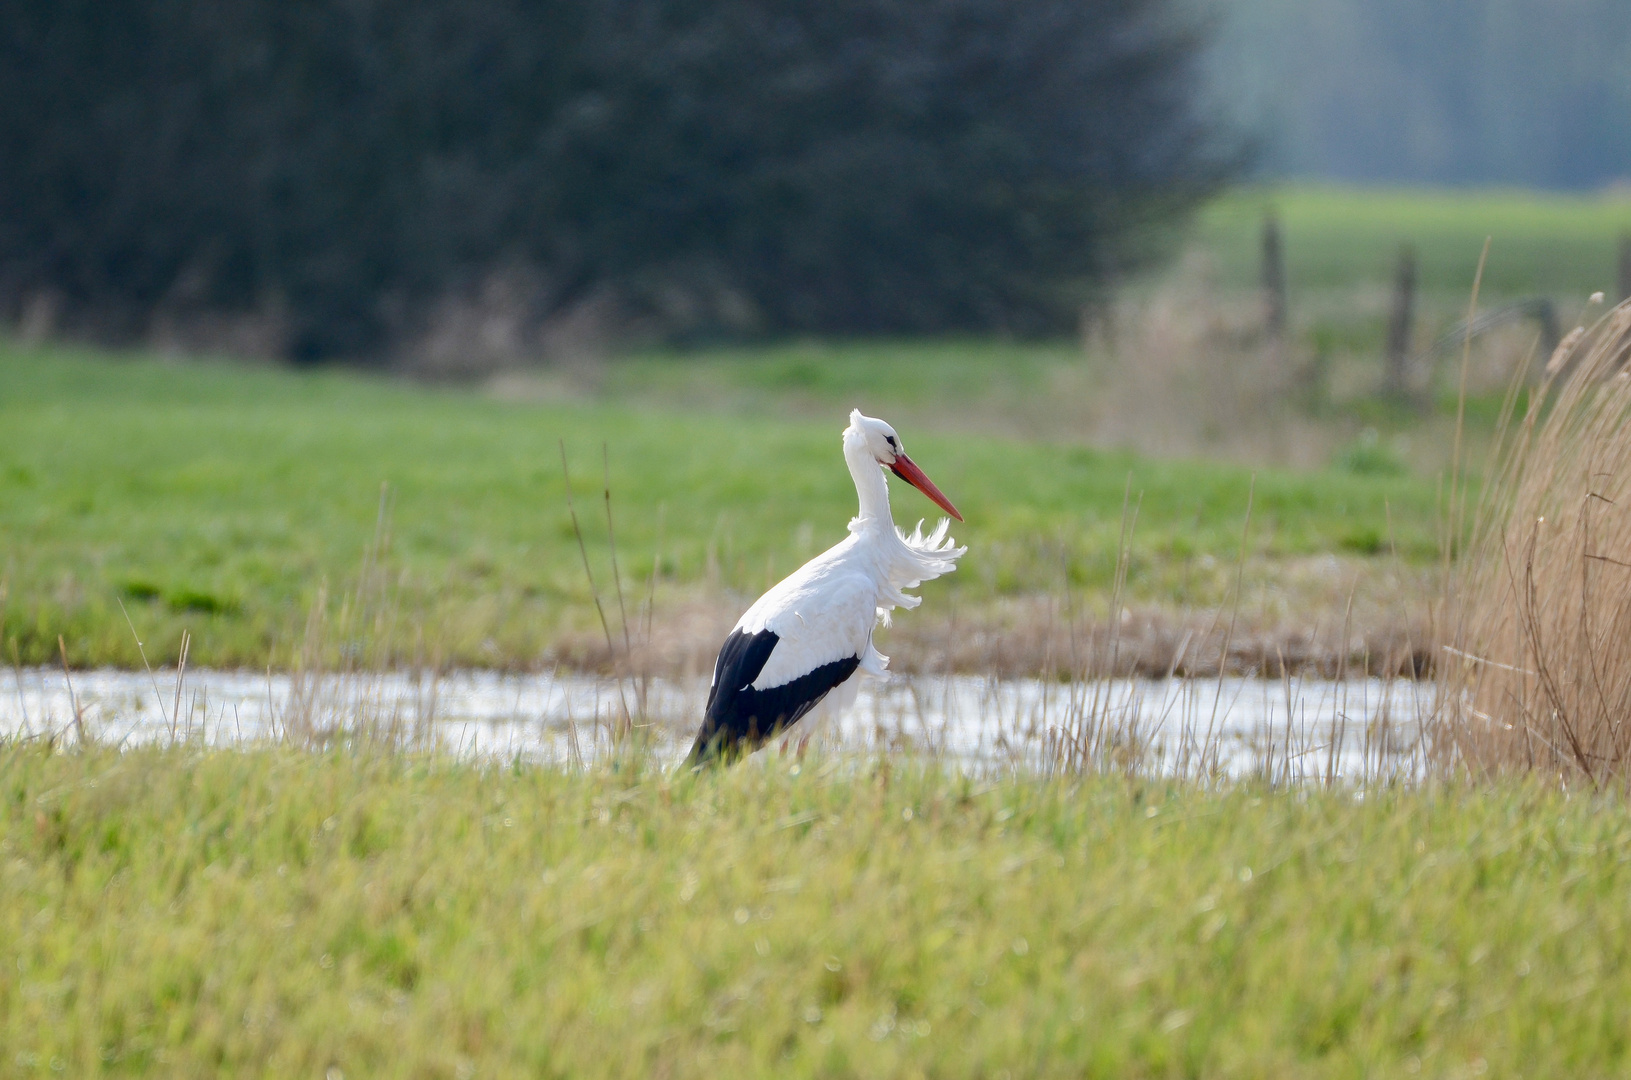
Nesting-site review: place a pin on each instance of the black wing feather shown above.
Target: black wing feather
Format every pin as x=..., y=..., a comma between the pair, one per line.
x=740, y=719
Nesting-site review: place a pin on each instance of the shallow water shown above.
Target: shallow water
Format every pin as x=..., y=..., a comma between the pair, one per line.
x=1292, y=729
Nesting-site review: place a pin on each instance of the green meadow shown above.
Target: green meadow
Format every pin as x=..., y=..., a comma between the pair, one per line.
x=275, y=910
x=186, y=912
x=221, y=499
x=1338, y=239
x=228, y=499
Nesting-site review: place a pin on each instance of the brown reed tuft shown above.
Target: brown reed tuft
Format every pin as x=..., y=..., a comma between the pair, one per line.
x=1538, y=673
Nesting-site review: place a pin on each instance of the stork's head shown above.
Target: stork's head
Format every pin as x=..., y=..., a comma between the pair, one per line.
x=881, y=441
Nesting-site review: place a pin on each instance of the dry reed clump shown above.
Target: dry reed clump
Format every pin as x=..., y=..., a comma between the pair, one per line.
x=342, y=664
x=1539, y=675
x=1192, y=372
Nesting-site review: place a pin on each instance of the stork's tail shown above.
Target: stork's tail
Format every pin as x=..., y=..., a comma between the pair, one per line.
x=712, y=748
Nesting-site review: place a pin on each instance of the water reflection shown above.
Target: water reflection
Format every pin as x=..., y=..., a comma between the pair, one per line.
x=1296, y=729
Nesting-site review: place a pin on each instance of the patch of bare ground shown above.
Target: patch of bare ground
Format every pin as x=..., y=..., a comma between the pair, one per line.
x=1028, y=639
x=1323, y=616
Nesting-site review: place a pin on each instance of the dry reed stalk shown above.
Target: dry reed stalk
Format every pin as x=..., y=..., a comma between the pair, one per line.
x=181, y=677
x=79, y=716
x=1191, y=371
x=1102, y=732
x=17, y=681
x=141, y=650
x=623, y=725
x=1538, y=675
x=1100, y=723
x=337, y=684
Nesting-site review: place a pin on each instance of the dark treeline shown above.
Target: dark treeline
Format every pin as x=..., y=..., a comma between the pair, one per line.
x=744, y=166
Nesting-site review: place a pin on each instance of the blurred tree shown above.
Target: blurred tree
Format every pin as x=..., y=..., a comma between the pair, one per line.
x=1525, y=92
x=731, y=165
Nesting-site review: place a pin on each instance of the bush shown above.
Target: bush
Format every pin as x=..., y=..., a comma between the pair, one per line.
x=737, y=165
x=1539, y=678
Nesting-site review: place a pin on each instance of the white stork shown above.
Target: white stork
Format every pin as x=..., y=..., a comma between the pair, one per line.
x=809, y=635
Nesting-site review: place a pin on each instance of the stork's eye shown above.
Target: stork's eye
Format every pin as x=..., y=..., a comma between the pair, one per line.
x=890, y=439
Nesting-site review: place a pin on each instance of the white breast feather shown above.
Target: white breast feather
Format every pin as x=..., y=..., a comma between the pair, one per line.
x=914, y=560
x=825, y=610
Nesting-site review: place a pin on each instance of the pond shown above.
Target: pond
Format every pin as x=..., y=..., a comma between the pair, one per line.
x=1294, y=729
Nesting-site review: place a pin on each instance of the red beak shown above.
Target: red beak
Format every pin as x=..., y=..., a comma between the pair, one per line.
x=905, y=468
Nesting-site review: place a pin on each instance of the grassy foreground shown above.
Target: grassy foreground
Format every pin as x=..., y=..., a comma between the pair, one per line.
x=191, y=913
x=220, y=498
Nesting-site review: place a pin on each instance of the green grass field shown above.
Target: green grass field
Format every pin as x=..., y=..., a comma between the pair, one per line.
x=219, y=498
x=1342, y=247
x=275, y=911
x=1338, y=239
x=278, y=913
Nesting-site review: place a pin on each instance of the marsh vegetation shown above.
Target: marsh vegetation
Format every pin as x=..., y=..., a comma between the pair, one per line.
x=275, y=912
x=342, y=893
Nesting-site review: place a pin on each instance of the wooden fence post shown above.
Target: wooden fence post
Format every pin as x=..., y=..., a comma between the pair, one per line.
x=1397, y=378
x=1274, y=279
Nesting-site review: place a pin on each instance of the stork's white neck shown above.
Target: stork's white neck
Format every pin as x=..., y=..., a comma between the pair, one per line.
x=870, y=484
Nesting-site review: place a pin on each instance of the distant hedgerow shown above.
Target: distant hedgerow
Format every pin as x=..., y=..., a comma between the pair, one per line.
x=731, y=165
